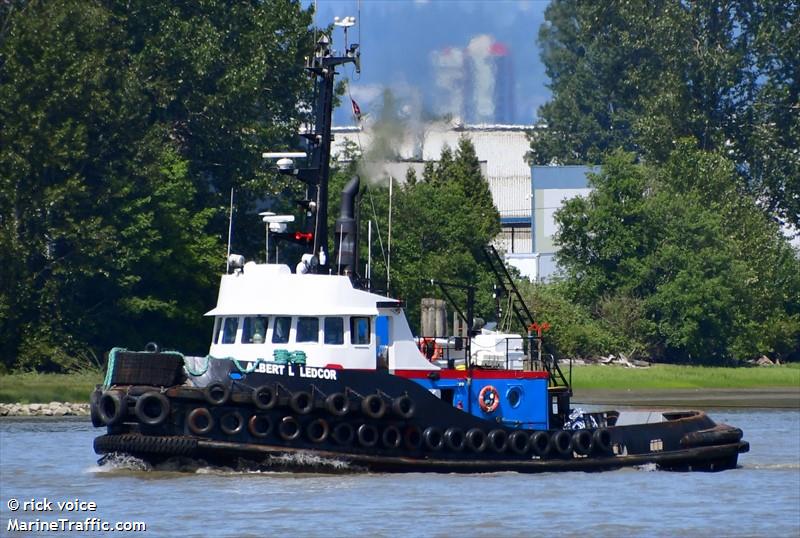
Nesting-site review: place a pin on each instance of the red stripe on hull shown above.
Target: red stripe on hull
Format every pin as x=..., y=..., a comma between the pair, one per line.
x=474, y=374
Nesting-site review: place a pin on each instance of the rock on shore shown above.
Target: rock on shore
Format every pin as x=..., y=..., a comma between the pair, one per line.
x=52, y=409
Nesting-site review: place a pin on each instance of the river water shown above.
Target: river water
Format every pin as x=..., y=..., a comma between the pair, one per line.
x=53, y=459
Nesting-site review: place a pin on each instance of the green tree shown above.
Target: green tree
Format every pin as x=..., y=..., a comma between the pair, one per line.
x=711, y=277
x=574, y=332
x=441, y=224
x=123, y=128
x=642, y=75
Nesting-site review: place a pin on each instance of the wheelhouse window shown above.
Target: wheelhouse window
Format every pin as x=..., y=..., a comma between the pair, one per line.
x=359, y=330
x=217, y=331
x=307, y=330
x=229, y=328
x=280, y=329
x=254, y=330
x=334, y=331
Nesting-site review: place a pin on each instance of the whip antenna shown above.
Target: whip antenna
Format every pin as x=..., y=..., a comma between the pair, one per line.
x=230, y=233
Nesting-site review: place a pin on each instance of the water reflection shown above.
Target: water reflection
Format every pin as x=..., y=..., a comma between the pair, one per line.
x=54, y=458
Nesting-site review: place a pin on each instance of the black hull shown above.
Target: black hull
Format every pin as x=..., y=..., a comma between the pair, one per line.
x=390, y=424
x=156, y=449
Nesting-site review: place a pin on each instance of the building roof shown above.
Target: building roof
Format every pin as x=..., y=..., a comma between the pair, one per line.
x=501, y=147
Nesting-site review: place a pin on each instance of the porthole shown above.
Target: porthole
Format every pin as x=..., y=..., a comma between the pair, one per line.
x=514, y=396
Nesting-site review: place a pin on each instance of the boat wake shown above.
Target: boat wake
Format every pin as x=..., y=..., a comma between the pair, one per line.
x=772, y=466
x=310, y=462
x=116, y=461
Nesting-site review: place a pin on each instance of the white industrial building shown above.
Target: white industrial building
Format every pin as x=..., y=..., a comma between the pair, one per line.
x=526, y=197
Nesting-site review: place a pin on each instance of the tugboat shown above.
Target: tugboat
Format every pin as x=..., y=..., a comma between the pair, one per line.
x=307, y=370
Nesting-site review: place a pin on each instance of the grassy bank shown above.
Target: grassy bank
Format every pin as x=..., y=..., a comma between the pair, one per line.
x=43, y=388
x=668, y=376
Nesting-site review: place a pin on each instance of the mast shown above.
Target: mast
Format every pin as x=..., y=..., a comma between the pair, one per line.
x=322, y=65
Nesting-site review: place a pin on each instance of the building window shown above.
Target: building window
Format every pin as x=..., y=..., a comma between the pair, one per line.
x=515, y=239
x=254, y=330
x=359, y=330
x=280, y=330
x=229, y=328
x=334, y=331
x=307, y=330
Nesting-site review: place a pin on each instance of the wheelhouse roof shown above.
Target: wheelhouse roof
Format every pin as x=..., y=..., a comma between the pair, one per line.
x=262, y=289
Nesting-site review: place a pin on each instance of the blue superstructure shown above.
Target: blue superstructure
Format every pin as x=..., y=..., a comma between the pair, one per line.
x=522, y=396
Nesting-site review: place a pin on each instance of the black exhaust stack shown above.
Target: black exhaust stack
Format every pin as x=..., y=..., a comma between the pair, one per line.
x=346, y=232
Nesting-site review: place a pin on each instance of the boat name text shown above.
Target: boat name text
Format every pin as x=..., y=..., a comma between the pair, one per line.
x=292, y=370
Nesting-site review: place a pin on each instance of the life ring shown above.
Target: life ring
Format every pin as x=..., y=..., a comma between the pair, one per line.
x=488, y=399
x=430, y=348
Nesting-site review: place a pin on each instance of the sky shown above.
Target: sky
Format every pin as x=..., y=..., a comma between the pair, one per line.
x=400, y=38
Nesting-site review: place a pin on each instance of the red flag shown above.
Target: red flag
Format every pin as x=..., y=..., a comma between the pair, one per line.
x=356, y=109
